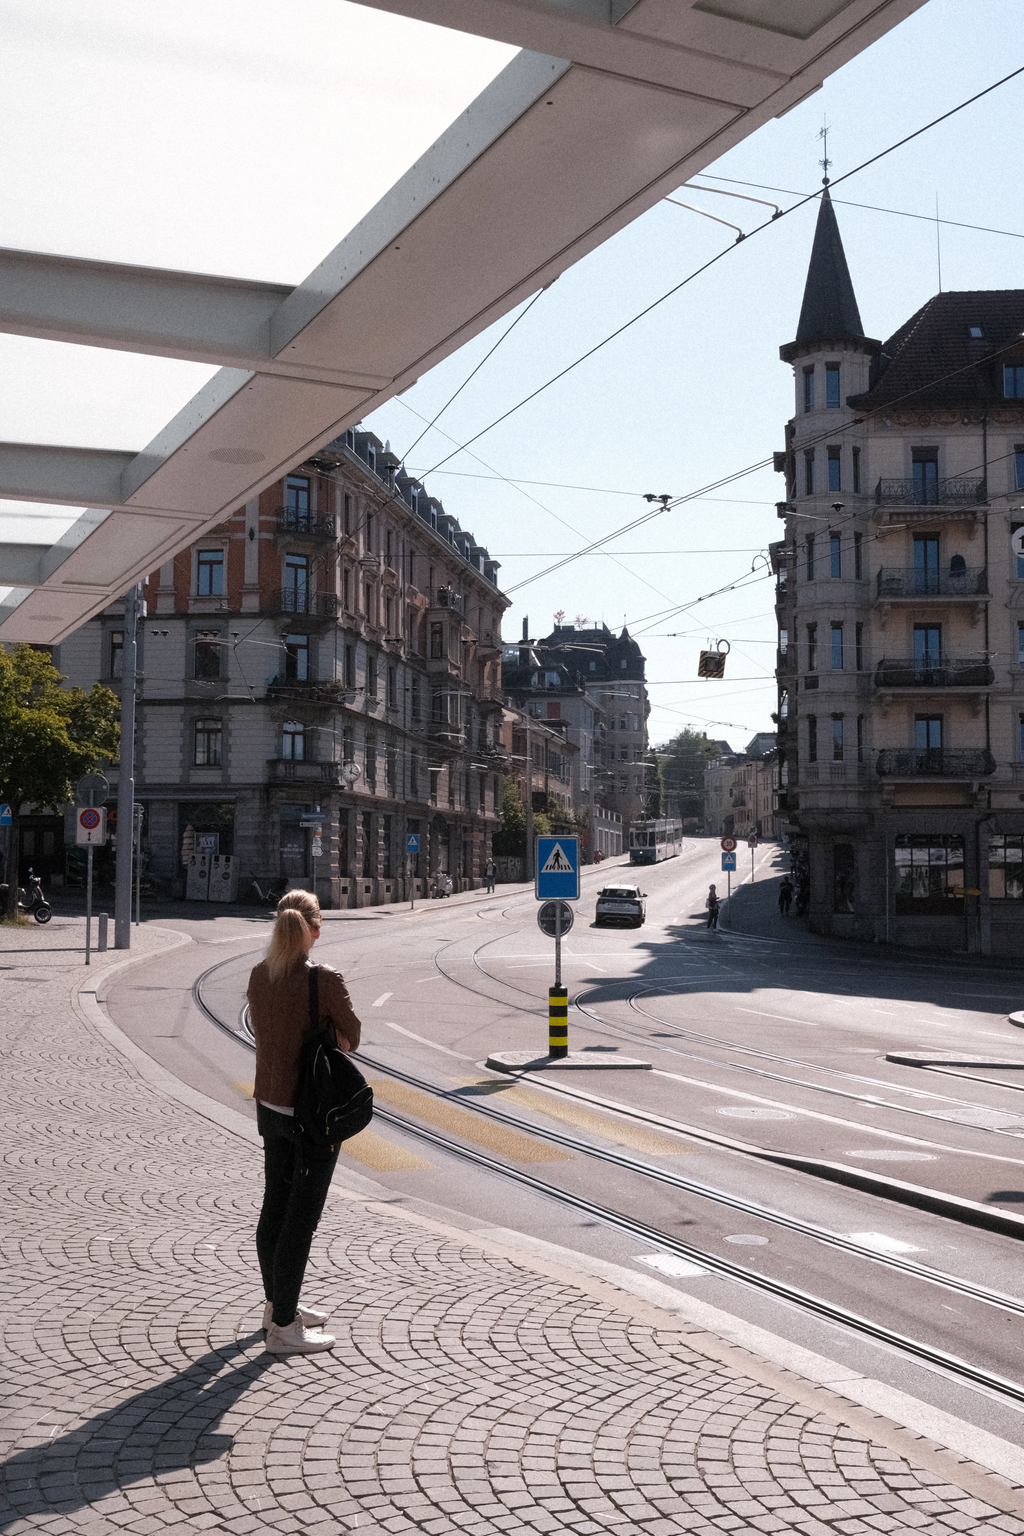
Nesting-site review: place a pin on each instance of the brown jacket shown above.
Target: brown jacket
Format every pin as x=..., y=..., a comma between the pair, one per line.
x=280, y=1017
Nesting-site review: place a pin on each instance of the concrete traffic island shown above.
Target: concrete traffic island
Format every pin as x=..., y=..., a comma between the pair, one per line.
x=600, y=1059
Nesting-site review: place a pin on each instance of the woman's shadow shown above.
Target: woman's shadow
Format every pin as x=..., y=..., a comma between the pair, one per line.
x=164, y=1429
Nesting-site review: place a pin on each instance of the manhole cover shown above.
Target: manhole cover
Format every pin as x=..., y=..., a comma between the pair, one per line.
x=755, y=1114
x=894, y=1157
x=748, y=1240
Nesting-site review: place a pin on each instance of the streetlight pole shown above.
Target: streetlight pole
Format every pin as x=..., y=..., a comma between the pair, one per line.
x=529, y=798
x=126, y=778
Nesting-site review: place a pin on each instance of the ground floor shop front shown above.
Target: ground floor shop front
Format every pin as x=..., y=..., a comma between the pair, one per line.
x=352, y=850
x=944, y=877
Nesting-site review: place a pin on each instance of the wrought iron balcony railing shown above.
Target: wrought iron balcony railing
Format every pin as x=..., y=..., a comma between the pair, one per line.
x=321, y=605
x=291, y=687
x=305, y=523
x=303, y=770
x=936, y=763
x=915, y=672
x=969, y=581
x=941, y=493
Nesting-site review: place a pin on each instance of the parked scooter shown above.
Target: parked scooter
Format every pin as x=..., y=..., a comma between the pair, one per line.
x=442, y=886
x=31, y=901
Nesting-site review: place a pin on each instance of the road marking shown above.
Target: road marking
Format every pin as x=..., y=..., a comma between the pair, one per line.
x=380, y=1154
x=424, y=1041
x=639, y=1137
x=420, y=980
x=510, y=1144
x=382, y=999
x=811, y=1023
x=883, y=1243
x=670, y=1264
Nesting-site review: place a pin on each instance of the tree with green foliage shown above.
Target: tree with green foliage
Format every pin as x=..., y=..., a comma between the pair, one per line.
x=49, y=736
x=682, y=772
x=510, y=839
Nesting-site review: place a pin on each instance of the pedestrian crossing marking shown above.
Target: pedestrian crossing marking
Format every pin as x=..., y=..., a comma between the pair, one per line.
x=557, y=863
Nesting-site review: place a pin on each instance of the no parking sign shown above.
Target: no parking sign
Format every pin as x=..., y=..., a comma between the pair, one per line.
x=91, y=826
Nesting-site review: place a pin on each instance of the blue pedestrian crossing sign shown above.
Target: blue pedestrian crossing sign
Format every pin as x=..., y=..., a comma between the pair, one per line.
x=6, y=817
x=558, y=868
x=412, y=842
x=728, y=861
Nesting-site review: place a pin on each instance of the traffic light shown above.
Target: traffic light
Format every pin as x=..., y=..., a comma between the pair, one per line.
x=711, y=664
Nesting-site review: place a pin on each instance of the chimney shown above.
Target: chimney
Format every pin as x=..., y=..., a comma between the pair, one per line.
x=524, y=645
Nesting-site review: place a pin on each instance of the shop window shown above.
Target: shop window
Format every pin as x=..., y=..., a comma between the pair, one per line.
x=369, y=851
x=1006, y=867
x=929, y=872
x=209, y=736
x=386, y=822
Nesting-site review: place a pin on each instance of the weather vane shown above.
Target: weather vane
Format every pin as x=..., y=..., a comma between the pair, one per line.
x=823, y=136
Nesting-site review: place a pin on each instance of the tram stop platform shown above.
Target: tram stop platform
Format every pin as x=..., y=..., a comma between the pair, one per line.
x=483, y=1382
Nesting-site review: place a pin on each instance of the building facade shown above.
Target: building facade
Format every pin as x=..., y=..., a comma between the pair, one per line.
x=900, y=601
x=334, y=646
x=741, y=790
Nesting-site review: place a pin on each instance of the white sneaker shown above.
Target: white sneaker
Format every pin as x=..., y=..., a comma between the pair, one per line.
x=297, y=1339
x=312, y=1317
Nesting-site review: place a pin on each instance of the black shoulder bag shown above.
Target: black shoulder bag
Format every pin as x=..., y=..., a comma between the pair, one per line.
x=333, y=1100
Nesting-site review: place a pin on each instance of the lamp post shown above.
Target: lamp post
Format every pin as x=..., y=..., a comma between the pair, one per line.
x=126, y=777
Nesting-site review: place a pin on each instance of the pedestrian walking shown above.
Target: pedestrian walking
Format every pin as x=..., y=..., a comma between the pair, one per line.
x=712, y=905
x=785, y=896
x=296, y=1178
x=489, y=874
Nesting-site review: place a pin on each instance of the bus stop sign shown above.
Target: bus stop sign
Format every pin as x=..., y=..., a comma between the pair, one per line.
x=558, y=868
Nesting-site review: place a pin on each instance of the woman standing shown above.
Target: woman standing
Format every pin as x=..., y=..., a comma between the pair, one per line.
x=297, y=1180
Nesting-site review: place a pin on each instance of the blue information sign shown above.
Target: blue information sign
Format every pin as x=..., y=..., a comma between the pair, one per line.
x=558, y=868
x=412, y=842
x=6, y=818
x=728, y=861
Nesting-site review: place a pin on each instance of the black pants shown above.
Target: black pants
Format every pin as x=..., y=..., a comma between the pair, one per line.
x=713, y=917
x=293, y=1201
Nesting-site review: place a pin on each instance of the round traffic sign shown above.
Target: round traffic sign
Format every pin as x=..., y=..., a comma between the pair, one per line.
x=728, y=844
x=89, y=819
x=92, y=788
x=546, y=917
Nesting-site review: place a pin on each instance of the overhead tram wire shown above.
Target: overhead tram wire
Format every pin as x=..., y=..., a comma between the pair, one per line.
x=698, y=271
x=505, y=333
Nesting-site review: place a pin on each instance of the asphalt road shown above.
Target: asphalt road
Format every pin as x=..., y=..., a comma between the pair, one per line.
x=760, y=1036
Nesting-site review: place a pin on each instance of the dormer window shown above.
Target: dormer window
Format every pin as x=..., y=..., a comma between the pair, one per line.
x=975, y=332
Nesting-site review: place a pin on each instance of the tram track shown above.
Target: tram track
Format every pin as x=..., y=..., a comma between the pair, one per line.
x=936, y=1358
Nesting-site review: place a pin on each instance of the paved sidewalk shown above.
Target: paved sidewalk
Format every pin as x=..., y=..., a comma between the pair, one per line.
x=473, y=1390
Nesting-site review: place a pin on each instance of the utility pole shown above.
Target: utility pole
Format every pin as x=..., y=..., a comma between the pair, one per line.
x=126, y=777
x=529, y=797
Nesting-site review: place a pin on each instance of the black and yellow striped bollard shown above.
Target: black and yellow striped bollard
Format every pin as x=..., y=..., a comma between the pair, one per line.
x=558, y=1021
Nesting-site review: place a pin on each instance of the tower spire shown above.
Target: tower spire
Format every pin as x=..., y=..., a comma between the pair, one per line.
x=829, y=310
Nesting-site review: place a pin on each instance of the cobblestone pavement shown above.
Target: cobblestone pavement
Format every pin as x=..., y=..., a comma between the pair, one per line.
x=470, y=1392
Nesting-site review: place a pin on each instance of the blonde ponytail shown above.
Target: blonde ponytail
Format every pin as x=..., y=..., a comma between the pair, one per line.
x=298, y=914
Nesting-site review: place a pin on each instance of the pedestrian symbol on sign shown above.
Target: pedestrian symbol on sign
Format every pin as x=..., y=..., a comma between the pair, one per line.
x=556, y=863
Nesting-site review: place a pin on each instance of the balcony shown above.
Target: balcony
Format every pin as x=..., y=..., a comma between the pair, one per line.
x=963, y=492
x=936, y=763
x=305, y=604
x=283, y=687
x=928, y=673
x=833, y=773
x=289, y=770
x=294, y=524
x=895, y=582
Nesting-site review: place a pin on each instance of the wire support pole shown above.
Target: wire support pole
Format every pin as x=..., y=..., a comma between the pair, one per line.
x=126, y=777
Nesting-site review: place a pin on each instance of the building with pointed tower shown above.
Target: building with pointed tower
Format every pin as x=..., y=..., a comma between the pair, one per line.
x=900, y=602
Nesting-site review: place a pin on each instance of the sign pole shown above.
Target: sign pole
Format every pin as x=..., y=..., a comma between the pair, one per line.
x=412, y=888
x=88, y=903
x=728, y=893
x=558, y=944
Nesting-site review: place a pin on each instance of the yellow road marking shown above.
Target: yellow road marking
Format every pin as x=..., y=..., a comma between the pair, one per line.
x=510, y=1144
x=380, y=1154
x=638, y=1137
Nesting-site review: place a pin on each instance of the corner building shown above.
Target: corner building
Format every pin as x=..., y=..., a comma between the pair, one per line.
x=335, y=644
x=900, y=602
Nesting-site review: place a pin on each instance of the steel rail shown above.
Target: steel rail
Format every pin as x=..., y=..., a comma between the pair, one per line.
x=930, y=1355
x=755, y=1208
x=938, y=1359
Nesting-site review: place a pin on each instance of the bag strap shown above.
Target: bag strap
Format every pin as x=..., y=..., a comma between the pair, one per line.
x=314, y=997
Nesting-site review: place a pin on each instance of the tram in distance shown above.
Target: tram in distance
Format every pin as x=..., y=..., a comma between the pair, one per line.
x=652, y=841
